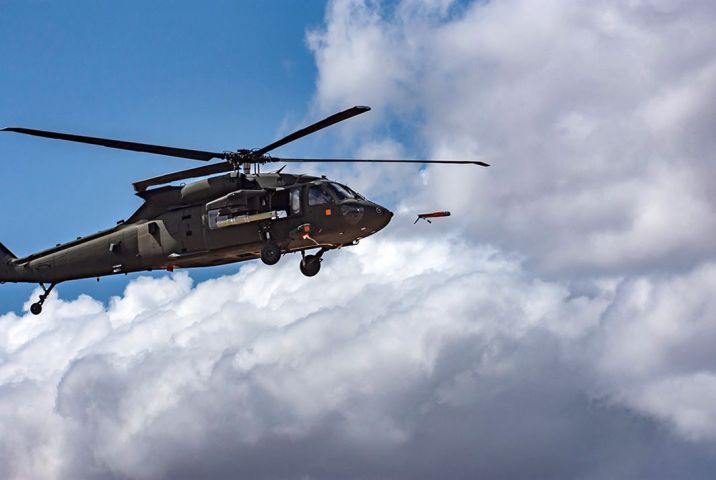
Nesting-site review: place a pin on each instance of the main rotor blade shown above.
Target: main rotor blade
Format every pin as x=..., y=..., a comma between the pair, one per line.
x=360, y=160
x=326, y=122
x=142, y=185
x=120, y=144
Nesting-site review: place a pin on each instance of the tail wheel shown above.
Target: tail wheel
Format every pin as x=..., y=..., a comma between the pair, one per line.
x=36, y=309
x=270, y=254
x=310, y=265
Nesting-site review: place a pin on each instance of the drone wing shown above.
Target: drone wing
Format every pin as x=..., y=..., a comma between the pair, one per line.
x=428, y=216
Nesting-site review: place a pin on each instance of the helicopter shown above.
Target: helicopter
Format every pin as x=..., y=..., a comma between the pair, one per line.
x=243, y=214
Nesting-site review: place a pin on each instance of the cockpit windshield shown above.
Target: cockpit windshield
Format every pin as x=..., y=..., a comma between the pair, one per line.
x=330, y=192
x=341, y=192
x=355, y=194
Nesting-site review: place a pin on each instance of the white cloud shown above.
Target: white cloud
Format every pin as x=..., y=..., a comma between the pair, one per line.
x=597, y=118
x=654, y=348
x=395, y=341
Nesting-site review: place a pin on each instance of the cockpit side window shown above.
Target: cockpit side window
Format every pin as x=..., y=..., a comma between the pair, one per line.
x=318, y=196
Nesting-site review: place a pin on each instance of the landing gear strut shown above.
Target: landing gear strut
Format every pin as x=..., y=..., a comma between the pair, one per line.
x=311, y=264
x=36, y=308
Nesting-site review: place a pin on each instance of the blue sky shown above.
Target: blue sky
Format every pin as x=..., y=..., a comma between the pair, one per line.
x=215, y=75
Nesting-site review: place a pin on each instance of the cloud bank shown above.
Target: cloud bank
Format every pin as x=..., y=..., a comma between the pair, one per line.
x=401, y=359
x=598, y=118
x=560, y=325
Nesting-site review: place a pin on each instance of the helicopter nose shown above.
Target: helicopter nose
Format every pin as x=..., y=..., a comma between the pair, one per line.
x=381, y=218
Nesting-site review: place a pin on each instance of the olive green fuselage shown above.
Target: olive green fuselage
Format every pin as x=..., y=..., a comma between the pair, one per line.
x=214, y=221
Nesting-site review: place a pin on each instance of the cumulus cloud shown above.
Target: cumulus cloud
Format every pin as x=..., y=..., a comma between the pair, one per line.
x=597, y=118
x=399, y=359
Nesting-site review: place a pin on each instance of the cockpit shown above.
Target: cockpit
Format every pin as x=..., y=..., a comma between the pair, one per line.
x=321, y=200
x=324, y=193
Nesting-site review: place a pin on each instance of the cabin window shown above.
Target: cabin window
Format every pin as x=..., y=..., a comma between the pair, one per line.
x=318, y=196
x=212, y=217
x=296, y=201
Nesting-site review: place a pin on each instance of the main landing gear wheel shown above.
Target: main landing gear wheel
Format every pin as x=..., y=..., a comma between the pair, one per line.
x=270, y=254
x=36, y=308
x=310, y=265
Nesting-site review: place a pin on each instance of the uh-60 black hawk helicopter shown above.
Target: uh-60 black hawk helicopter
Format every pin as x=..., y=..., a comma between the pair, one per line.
x=218, y=220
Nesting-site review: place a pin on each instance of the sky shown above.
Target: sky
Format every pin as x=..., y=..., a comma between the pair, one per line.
x=560, y=324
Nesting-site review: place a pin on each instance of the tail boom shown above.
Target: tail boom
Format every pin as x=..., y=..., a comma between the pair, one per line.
x=7, y=269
